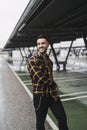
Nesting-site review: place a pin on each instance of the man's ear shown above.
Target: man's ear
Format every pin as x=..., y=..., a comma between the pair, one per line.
x=48, y=44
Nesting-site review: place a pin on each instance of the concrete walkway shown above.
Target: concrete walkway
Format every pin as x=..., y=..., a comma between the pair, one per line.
x=16, y=107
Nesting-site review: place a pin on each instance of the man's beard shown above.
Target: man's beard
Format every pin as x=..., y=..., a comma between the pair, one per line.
x=45, y=50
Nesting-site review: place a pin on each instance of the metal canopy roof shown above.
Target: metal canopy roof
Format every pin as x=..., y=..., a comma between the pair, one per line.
x=61, y=20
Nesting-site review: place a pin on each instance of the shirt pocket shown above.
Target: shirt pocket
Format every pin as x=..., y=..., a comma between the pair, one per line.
x=41, y=66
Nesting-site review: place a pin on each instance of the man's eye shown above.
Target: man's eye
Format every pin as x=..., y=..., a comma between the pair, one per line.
x=42, y=43
x=38, y=43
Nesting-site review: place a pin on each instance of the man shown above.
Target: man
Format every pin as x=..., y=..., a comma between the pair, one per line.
x=45, y=90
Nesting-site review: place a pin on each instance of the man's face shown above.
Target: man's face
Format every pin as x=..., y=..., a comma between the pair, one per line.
x=42, y=45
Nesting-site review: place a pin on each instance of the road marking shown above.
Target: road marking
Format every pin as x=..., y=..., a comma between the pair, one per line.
x=65, y=80
x=69, y=99
x=70, y=77
x=71, y=80
x=70, y=94
x=28, y=83
x=22, y=74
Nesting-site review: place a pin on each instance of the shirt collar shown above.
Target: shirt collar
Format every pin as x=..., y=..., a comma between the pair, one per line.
x=41, y=55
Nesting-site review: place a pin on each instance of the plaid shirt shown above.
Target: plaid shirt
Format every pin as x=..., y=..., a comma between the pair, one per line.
x=41, y=74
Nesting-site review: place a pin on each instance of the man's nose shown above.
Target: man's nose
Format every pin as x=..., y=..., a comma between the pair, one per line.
x=40, y=45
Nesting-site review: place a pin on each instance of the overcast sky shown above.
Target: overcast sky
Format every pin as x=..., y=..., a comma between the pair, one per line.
x=10, y=12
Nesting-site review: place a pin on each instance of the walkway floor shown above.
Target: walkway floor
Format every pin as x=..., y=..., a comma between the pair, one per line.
x=16, y=107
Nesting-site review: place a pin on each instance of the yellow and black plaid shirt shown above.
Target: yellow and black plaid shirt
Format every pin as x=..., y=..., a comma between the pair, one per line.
x=41, y=74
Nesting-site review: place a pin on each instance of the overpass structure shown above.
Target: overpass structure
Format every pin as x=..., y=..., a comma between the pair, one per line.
x=60, y=20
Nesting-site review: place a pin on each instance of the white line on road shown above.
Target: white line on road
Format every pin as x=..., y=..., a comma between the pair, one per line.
x=70, y=94
x=69, y=99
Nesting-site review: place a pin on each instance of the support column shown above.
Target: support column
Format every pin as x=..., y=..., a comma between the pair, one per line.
x=68, y=55
x=10, y=55
x=29, y=52
x=24, y=52
x=85, y=41
x=21, y=53
x=55, y=57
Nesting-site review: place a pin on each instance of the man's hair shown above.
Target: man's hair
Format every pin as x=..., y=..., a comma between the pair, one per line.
x=43, y=36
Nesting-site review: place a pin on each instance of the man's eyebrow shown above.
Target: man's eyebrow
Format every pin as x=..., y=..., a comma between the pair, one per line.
x=40, y=42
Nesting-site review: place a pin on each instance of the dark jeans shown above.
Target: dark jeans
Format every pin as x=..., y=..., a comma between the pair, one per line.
x=41, y=104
